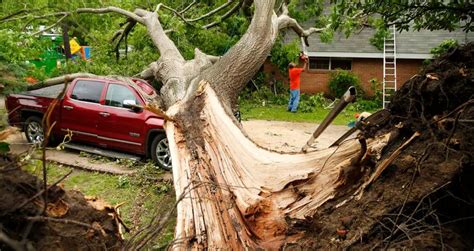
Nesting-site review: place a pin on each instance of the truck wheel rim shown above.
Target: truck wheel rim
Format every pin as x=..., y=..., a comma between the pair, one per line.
x=163, y=153
x=35, y=132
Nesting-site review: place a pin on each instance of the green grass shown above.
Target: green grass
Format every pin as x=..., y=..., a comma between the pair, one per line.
x=3, y=119
x=141, y=196
x=278, y=112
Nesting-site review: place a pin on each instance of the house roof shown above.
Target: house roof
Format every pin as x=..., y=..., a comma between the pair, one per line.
x=410, y=44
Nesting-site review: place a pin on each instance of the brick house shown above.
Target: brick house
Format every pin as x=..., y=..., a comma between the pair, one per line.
x=365, y=60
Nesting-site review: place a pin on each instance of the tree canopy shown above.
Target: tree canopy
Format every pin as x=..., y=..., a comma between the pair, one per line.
x=211, y=26
x=414, y=14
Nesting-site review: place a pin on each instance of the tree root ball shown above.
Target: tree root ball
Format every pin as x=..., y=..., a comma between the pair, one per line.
x=424, y=199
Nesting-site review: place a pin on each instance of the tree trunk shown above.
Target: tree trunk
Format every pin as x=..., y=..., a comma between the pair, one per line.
x=234, y=194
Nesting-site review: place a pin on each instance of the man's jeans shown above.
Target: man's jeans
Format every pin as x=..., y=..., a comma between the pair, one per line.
x=294, y=99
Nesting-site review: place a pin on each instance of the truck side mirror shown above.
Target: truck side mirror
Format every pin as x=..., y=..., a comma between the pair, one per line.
x=132, y=104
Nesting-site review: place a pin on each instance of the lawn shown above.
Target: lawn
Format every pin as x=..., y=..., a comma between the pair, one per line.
x=3, y=118
x=279, y=112
x=140, y=195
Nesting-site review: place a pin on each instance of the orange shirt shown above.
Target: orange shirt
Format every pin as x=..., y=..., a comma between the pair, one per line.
x=295, y=78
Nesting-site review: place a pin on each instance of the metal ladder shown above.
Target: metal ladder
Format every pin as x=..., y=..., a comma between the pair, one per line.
x=389, y=66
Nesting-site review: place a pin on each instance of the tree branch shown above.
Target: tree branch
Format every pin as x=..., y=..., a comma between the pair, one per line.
x=50, y=27
x=14, y=244
x=285, y=21
x=110, y=9
x=174, y=11
x=149, y=72
x=230, y=73
x=225, y=16
x=36, y=17
x=167, y=48
x=61, y=80
x=67, y=221
x=212, y=12
x=14, y=14
x=121, y=35
x=188, y=7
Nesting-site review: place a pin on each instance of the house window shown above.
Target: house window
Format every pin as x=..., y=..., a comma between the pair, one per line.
x=319, y=63
x=329, y=63
x=343, y=64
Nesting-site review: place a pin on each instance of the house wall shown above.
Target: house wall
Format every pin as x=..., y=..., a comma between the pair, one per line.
x=272, y=72
x=314, y=81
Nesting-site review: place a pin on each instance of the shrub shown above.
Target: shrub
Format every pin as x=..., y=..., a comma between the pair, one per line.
x=309, y=103
x=341, y=80
x=444, y=46
x=319, y=100
x=305, y=104
x=279, y=99
x=376, y=87
x=367, y=105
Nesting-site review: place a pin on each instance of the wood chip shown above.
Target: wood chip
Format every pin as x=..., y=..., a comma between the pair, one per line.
x=432, y=76
x=58, y=209
x=7, y=132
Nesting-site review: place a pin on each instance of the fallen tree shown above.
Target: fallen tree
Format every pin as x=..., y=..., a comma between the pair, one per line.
x=234, y=194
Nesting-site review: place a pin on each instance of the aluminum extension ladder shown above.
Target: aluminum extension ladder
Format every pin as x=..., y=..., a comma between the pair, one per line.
x=389, y=66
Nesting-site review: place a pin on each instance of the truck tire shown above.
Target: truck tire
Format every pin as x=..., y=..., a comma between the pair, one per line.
x=34, y=130
x=160, y=152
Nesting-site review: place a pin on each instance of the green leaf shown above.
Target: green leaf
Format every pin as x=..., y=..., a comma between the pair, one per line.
x=4, y=147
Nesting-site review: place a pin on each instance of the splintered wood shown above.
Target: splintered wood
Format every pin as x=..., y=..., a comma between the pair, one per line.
x=234, y=194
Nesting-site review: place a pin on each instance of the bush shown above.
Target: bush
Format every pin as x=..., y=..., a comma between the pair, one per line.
x=305, y=104
x=376, y=87
x=367, y=105
x=309, y=103
x=341, y=80
x=444, y=47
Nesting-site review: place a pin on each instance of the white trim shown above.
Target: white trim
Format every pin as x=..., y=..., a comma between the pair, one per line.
x=368, y=55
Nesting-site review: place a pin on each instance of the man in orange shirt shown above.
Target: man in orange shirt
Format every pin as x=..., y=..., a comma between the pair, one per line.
x=294, y=73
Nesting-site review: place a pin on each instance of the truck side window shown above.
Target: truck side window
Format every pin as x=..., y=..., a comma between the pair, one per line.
x=117, y=93
x=86, y=90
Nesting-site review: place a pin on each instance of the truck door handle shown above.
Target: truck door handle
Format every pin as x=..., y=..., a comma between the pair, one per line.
x=104, y=114
x=67, y=107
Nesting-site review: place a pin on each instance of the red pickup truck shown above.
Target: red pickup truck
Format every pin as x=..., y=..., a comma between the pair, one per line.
x=104, y=113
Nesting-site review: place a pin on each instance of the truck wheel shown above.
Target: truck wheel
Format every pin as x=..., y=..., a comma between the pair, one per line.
x=160, y=152
x=34, y=130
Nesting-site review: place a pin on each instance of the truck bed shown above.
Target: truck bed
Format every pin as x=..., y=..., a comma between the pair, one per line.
x=30, y=103
x=46, y=92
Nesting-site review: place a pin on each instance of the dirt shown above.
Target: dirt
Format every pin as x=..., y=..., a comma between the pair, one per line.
x=425, y=197
x=70, y=222
x=289, y=136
